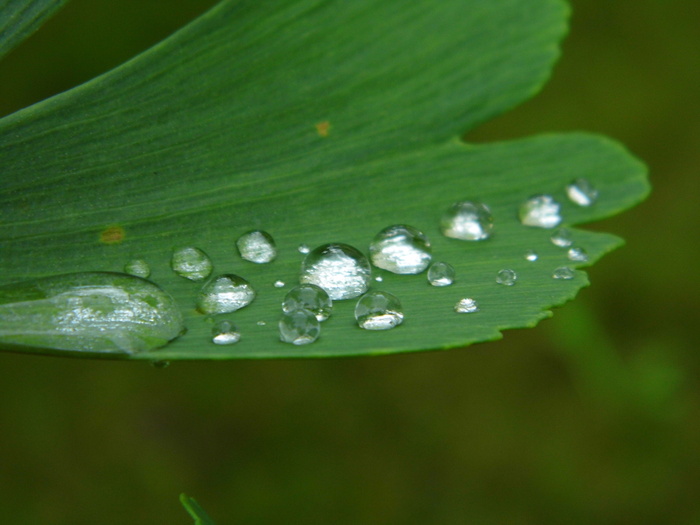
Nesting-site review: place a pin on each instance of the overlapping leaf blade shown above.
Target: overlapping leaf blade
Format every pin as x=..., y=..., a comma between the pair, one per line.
x=20, y=18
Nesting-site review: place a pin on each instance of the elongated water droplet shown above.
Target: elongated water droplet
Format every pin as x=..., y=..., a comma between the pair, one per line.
x=378, y=311
x=261, y=323
x=308, y=297
x=582, y=192
x=468, y=221
x=541, y=211
x=225, y=293
x=400, y=249
x=299, y=327
x=304, y=248
x=563, y=272
x=506, y=277
x=466, y=305
x=341, y=270
x=531, y=255
x=379, y=278
x=257, y=246
x=191, y=263
x=279, y=284
x=224, y=332
x=96, y=312
x=577, y=254
x=441, y=274
x=562, y=238
x=138, y=267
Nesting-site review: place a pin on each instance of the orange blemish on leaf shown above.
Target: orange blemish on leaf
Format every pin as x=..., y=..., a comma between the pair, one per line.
x=112, y=235
x=323, y=128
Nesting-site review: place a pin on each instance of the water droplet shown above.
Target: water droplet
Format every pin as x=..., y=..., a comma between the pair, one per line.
x=299, y=327
x=137, y=267
x=341, y=270
x=468, y=221
x=562, y=238
x=531, y=256
x=466, y=305
x=441, y=274
x=308, y=297
x=304, y=248
x=582, y=192
x=95, y=312
x=506, y=277
x=279, y=284
x=225, y=333
x=224, y=294
x=160, y=364
x=257, y=246
x=577, y=254
x=400, y=249
x=261, y=323
x=191, y=263
x=378, y=311
x=379, y=278
x=563, y=272
x=541, y=211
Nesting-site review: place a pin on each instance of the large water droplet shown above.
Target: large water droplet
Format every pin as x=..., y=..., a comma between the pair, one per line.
x=466, y=305
x=400, y=249
x=88, y=312
x=541, y=211
x=137, y=267
x=563, y=272
x=225, y=293
x=299, y=327
x=506, y=277
x=577, y=254
x=468, y=221
x=224, y=332
x=257, y=246
x=531, y=255
x=309, y=297
x=582, y=192
x=378, y=311
x=191, y=263
x=341, y=270
x=441, y=274
x=562, y=238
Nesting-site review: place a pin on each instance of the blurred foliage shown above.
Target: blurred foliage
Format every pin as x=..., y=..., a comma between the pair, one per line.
x=591, y=417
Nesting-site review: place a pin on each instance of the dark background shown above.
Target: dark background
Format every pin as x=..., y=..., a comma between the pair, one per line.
x=592, y=417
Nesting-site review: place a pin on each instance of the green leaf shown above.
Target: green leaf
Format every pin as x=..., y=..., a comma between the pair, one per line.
x=20, y=18
x=194, y=510
x=317, y=121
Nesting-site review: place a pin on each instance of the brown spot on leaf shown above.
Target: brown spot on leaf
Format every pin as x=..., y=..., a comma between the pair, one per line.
x=112, y=235
x=323, y=128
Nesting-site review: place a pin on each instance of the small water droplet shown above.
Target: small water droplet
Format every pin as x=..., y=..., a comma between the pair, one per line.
x=577, y=254
x=308, y=297
x=299, y=327
x=468, y=221
x=531, y=255
x=304, y=248
x=191, y=263
x=257, y=246
x=541, y=211
x=563, y=272
x=96, y=312
x=506, y=277
x=379, y=278
x=224, y=332
x=138, y=267
x=466, y=305
x=582, y=192
x=562, y=238
x=441, y=274
x=378, y=311
x=400, y=249
x=279, y=284
x=261, y=323
x=341, y=270
x=224, y=294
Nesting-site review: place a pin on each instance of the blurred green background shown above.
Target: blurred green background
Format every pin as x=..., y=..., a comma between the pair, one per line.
x=592, y=417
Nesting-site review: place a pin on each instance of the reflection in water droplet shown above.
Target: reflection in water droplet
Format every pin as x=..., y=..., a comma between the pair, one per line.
x=577, y=254
x=257, y=246
x=137, y=267
x=299, y=327
x=441, y=274
x=506, y=277
x=225, y=293
x=191, y=263
x=341, y=270
x=468, y=221
x=563, y=272
x=378, y=311
x=531, y=255
x=582, y=192
x=562, y=238
x=541, y=211
x=224, y=332
x=89, y=312
x=400, y=249
x=303, y=248
x=308, y=297
x=279, y=284
x=466, y=305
